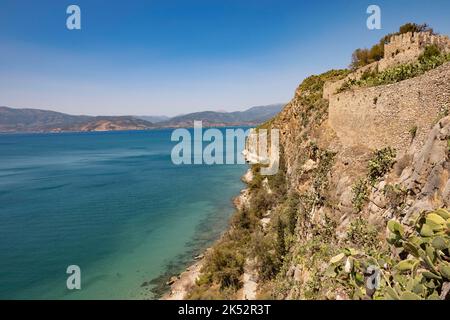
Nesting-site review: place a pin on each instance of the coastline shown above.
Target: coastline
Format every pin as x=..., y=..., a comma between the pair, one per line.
x=181, y=285
x=184, y=282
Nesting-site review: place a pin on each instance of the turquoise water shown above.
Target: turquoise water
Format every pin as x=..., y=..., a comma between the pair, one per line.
x=112, y=203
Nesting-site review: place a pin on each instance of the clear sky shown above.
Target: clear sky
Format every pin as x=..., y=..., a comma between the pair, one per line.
x=166, y=57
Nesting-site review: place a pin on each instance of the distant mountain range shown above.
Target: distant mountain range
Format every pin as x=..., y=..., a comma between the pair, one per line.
x=252, y=116
x=35, y=120
x=154, y=119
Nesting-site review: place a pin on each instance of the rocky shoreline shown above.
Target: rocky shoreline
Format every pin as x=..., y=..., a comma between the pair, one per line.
x=181, y=285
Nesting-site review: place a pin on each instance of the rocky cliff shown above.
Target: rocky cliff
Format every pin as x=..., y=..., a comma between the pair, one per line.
x=354, y=161
x=364, y=173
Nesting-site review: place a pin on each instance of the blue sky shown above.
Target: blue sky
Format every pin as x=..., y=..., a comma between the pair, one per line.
x=167, y=57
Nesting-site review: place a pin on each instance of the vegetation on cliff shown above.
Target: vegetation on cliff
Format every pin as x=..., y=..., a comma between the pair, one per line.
x=336, y=216
x=430, y=59
x=224, y=265
x=417, y=266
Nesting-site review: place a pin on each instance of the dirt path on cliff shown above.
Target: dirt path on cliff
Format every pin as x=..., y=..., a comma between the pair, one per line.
x=249, y=279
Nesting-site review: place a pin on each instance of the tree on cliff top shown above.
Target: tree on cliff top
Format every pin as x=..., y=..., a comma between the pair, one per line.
x=414, y=27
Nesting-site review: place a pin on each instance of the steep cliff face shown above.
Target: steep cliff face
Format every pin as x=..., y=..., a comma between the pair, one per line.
x=353, y=125
x=364, y=159
x=354, y=162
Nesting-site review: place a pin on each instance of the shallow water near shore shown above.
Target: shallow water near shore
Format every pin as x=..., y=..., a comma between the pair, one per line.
x=112, y=203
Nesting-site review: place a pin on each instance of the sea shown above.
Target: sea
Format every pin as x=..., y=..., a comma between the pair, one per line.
x=111, y=203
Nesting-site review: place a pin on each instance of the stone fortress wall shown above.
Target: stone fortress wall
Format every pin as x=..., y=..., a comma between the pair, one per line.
x=401, y=49
x=357, y=115
x=405, y=48
x=382, y=116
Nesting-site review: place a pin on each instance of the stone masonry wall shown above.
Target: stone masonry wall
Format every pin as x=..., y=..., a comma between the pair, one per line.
x=402, y=49
x=414, y=42
x=383, y=116
x=407, y=47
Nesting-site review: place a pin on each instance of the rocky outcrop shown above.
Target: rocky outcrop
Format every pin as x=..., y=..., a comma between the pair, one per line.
x=422, y=176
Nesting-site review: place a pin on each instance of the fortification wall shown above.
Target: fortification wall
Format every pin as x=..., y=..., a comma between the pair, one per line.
x=383, y=116
x=402, y=49
x=406, y=48
x=414, y=42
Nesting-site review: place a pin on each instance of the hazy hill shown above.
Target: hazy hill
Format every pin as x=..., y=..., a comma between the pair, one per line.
x=35, y=120
x=252, y=116
x=154, y=119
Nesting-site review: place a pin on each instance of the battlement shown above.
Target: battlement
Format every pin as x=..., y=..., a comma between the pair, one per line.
x=414, y=43
x=401, y=49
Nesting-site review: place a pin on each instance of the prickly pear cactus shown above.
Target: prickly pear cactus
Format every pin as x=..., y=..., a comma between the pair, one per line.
x=418, y=266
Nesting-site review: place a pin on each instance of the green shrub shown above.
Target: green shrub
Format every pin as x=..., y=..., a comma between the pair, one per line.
x=277, y=182
x=413, y=132
x=313, y=287
x=368, y=74
x=414, y=27
x=205, y=292
x=347, y=85
x=362, y=234
x=443, y=112
x=257, y=179
x=267, y=264
x=381, y=163
x=280, y=248
x=360, y=194
x=291, y=212
x=395, y=195
x=320, y=181
x=224, y=266
x=310, y=93
x=328, y=230
x=260, y=202
x=430, y=52
x=243, y=219
x=314, y=84
x=399, y=73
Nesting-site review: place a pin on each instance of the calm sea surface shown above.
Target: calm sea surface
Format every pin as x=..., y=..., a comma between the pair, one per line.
x=112, y=203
